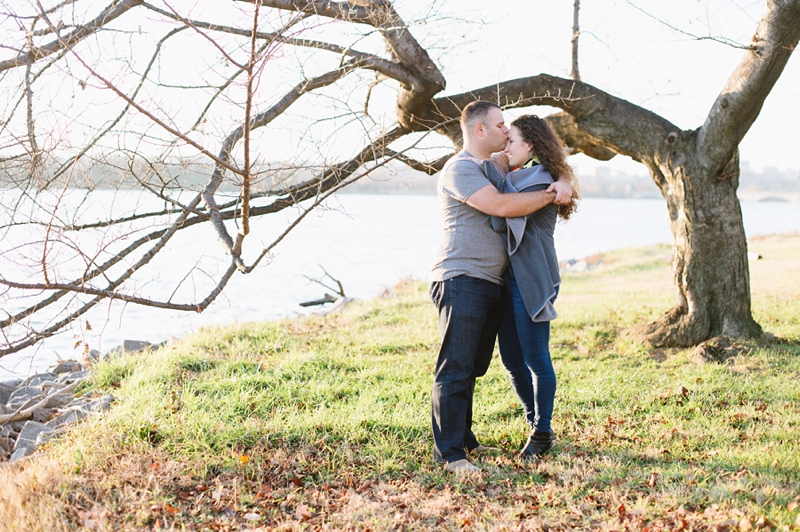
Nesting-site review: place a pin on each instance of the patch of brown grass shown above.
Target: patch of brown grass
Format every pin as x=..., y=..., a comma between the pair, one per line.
x=31, y=496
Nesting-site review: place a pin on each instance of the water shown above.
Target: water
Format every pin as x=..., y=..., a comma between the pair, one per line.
x=368, y=242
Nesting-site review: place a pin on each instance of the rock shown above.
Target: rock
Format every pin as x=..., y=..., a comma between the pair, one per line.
x=134, y=346
x=23, y=395
x=753, y=256
x=67, y=417
x=59, y=400
x=5, y=392
x=38, y=379
x=6, y=446
x=16, y=426
x=21, y=452
x=41, y=415
x=31, y=433
x=583, y=265
x=12, y=382
x=50, y=387
x=67, y=366
x=100, y=404
x=69, y=378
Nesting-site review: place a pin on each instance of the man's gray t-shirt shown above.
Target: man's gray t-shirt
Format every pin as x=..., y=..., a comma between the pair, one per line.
x=469, y=245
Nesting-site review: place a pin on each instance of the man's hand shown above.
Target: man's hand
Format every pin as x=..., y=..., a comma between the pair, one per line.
x=563, y=190
x=489, y=201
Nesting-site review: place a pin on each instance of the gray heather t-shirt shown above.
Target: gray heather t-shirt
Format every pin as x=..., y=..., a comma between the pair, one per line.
x=469, y=245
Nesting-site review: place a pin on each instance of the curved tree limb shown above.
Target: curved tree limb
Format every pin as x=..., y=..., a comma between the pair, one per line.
x=742, y=98
x=411, y=100
x=599, y=119
x=392, y=69
x=260, y=120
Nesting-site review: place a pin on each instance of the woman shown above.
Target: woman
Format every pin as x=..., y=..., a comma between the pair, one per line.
x=536, y=154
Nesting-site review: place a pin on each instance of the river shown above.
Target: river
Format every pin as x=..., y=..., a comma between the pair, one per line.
x=369, y=243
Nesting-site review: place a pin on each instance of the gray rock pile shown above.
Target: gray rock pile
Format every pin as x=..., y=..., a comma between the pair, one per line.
x=35, y=409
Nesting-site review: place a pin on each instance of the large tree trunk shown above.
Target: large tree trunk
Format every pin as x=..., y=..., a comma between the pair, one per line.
x=710, y=261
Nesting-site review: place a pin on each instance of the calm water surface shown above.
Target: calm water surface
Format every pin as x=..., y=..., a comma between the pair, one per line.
x=369, y=243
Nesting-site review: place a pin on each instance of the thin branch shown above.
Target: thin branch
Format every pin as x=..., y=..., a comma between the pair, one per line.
x=115, y=10
x=122, y=113
x=392, y=69
x=428, y=168
x=260, y=120
x=106, y=294
x=248, y=110
x=145, y=112
x=721, y=40
x=339, y=291
x=576, y=32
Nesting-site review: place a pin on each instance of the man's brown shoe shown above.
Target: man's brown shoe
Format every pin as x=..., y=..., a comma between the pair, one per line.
x=462, y=466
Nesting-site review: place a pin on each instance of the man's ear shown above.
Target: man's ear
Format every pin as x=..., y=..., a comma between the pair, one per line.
x=480, y=129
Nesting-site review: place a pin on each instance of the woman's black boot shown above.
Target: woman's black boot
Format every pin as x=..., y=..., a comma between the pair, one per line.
x=538, y=443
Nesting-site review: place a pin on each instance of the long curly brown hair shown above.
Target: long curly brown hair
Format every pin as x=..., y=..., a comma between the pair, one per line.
x=547, y=147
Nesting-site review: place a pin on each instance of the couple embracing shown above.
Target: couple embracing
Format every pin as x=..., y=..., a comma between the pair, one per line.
x=496, y=274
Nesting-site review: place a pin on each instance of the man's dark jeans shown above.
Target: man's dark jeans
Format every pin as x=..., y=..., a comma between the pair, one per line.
x=470, y=311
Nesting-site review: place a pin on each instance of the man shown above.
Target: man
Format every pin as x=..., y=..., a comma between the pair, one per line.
x=467, y=277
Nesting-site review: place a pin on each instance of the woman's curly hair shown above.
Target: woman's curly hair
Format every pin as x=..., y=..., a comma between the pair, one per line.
x=547, y=147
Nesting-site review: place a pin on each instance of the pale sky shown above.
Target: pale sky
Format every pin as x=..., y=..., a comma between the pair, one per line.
x=653, y=53
x=630, y=54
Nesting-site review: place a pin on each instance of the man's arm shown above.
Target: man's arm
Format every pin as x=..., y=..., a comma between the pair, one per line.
x=563, y=191
x=489, y=201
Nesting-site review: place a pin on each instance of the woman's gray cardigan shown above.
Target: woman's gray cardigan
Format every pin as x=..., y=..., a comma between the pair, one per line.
x=529, y=240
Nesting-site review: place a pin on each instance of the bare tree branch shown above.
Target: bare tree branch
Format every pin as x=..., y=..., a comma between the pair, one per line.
x=576, y=33
x=115, y=10
x=742, y=98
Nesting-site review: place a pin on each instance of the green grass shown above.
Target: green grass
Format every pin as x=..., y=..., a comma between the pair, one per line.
x=325, y=421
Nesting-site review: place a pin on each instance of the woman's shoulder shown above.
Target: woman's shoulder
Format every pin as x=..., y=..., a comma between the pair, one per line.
x=529, y=177
x=500, y=161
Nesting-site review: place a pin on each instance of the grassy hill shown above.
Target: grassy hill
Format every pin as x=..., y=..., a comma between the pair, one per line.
x=324, y=423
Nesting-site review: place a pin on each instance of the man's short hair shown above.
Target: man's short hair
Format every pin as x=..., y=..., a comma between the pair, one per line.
x=475, y=112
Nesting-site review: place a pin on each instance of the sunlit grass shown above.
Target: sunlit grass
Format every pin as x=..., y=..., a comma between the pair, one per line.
x=326, y=421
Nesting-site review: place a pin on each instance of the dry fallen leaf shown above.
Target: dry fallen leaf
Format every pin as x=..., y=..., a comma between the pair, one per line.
x=220, y=492
x=366, y=485
x=792, y=506
x=764, y=522
x=653, y=479
x=303, y=513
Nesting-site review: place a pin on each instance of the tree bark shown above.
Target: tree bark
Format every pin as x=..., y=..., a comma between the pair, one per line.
x=709, y=247
x=697, y=171
x=710, y=264
x=576, y=33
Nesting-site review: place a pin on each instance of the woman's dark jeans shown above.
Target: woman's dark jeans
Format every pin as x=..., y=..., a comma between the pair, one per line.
x=470, y=311
x=525, y=353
